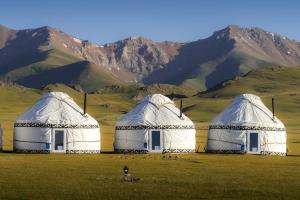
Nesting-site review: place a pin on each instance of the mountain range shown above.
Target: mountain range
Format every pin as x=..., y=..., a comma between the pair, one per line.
x=41, y=56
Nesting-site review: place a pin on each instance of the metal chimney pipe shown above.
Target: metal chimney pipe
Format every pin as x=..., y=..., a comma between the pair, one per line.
x=84, y=105
x=273, y=108
x=180, y=108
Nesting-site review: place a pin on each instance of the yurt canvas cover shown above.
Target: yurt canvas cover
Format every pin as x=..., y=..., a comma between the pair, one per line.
x=247, y=126
x=155, y=125
x=56, y=124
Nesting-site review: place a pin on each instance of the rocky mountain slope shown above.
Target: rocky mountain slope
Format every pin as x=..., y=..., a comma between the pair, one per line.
x=27, y=55
x=228, y=53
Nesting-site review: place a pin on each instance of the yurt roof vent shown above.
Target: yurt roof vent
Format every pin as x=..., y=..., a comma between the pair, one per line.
x=180, y=109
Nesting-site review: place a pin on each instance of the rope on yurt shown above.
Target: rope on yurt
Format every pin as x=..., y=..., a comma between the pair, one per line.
x=271, y=117
x=225, y=141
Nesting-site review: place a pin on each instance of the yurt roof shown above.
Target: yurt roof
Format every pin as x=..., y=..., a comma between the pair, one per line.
x=155, y=111
x=247, y=110
x=56, y=108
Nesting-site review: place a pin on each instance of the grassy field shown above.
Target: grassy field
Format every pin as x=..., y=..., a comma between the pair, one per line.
x=192, y=176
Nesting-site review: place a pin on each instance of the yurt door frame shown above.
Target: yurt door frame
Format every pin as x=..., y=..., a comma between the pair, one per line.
x=253, y=142
x=155, y=141
x=59, y=141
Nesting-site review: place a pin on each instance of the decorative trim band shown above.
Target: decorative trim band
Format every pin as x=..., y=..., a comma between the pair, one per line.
x=83, y=151
x=143, y=127
x=272, y=153
x=225, y=151
x=179, y=151
x=244, y=152
x=45, y=125
x=29, y=151
x=138, y=151
x=131, y=151
x=232, y=127
x=32, y=151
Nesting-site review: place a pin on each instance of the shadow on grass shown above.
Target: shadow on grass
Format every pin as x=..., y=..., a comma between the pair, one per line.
x=7, y=151
x=108, y=152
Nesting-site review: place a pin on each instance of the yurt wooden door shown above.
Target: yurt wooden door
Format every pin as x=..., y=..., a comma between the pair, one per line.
x=155, y=141
x=253, y=145
x=59, y=141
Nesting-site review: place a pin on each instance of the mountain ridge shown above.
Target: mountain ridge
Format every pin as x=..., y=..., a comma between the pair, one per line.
x=201, y=64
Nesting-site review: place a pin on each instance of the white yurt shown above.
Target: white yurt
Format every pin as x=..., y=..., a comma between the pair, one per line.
x=247, y=126
x=56, y=124
x=155, y=125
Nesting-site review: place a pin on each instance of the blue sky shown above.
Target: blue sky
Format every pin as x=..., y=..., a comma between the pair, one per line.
x=185, y=20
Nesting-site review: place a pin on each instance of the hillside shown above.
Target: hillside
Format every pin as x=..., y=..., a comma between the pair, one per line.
x=228, y=53
x=266, y=81
x=82, y=74
x=109, y=104
x=280, y=83
x=31, y=58
x=129, y=59
x=28, y=54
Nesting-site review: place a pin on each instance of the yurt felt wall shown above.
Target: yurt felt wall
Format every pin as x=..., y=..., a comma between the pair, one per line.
x=56, y=124
x=247, y=126
x=155, y=125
